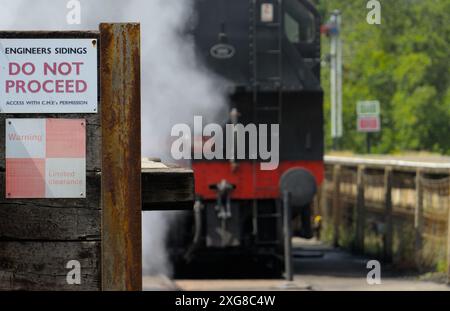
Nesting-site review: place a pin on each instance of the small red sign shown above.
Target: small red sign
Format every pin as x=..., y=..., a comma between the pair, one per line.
x=369, y=124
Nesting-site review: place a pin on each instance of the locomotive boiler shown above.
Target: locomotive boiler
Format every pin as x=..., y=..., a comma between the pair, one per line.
x=269, y=51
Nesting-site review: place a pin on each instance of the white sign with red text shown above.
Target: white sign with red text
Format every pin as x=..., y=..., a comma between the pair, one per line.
x=45, y=158
x=48, y=75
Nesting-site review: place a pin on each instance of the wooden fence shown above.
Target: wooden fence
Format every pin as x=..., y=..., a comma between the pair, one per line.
x=397, y=211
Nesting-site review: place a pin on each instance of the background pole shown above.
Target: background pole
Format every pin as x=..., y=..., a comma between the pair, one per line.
x=287, y=237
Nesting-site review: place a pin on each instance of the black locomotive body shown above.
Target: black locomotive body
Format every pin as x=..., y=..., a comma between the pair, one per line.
x=269, y=52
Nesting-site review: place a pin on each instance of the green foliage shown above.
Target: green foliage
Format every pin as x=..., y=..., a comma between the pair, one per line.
x=403, y=63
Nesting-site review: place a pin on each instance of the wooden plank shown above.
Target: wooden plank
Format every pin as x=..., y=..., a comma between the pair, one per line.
x=165, y=189
x=42, y=265
x=28, y=222
x=121, y=158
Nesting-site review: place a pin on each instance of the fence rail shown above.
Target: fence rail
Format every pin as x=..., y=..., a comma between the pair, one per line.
x=398, y=211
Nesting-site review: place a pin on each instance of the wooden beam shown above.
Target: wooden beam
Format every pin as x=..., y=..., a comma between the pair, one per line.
x=169, y=188
x=398, y=165
x=121, y=157
x=418, y=218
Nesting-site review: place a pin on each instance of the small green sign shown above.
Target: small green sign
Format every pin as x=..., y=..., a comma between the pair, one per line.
x=368, y=108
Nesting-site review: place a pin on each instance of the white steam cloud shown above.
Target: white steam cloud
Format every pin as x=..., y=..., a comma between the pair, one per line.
x=175, y=86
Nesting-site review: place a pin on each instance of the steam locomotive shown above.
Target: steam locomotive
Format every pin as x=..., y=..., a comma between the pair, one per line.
x=269, y=50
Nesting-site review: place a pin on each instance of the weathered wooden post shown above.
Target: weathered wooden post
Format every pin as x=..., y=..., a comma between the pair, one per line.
x=336, y=204
x=121, y=157
x=418, y=217
x=360, y=210
x=388, y=236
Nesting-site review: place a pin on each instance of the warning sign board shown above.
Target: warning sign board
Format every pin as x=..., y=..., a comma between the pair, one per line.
x=48, y=75
x=45, y=158
x=369, y=124
x=368, y=116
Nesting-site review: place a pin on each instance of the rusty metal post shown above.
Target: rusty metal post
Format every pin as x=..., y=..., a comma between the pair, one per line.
x=388, y=237
x=121, y=157
x=360, y=210
x=336, y=204
x=418, y=217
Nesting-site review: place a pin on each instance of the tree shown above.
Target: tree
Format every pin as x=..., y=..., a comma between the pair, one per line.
x=403, y=63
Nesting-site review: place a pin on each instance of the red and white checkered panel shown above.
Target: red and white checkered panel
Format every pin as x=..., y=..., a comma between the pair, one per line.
x=45, y=158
